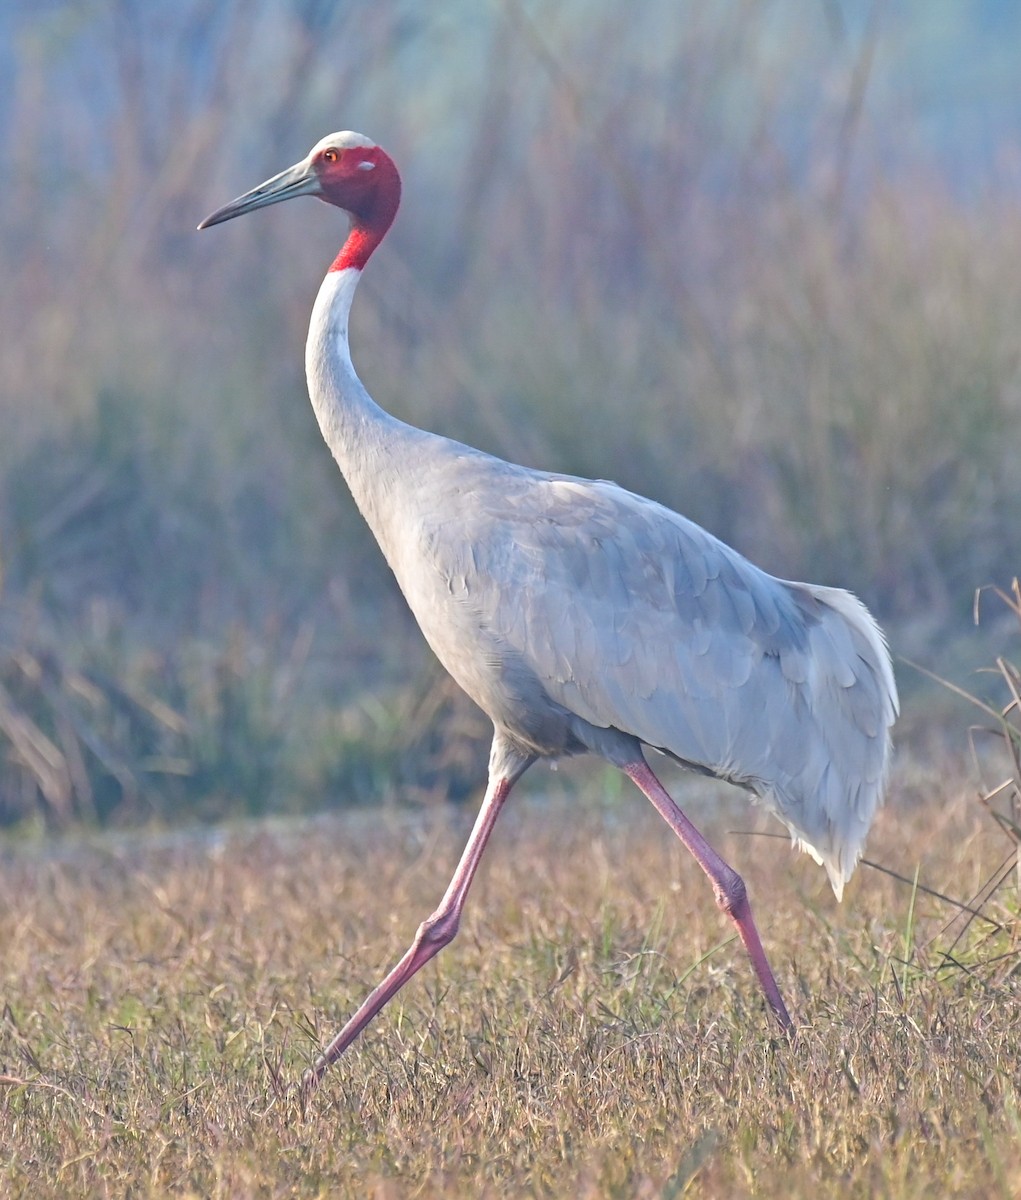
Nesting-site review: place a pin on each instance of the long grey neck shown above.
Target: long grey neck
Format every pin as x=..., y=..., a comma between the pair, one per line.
x=370, y=446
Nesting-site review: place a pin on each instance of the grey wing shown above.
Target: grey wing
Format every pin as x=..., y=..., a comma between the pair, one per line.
x=634, y=618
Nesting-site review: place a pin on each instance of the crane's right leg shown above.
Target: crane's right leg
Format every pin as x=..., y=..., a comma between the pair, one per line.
x=506, y=766
x=731, y=895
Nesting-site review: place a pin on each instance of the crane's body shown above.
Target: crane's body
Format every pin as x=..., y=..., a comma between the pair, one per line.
x=584, y=618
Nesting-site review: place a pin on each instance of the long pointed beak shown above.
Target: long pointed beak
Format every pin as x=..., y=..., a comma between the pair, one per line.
x=299, y=180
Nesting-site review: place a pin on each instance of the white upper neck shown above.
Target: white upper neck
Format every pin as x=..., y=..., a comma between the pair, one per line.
x=368, y=443
x=327, y=331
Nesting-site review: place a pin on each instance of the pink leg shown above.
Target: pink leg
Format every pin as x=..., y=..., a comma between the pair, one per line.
x=435, y=932
x=729, y=887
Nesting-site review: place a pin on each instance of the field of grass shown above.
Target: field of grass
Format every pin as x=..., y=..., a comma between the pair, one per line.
x=594, y=1031
x=711, y=252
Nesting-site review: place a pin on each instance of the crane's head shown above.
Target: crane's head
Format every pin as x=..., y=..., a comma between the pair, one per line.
x=344, y=169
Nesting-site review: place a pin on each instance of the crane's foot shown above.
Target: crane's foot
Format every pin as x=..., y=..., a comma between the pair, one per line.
x=309, y=1084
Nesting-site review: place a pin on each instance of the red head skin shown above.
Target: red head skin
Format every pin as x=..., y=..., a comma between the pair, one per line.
x=346, y=170
x=370, y=193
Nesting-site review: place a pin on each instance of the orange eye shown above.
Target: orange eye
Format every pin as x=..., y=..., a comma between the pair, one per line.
x=331, y=155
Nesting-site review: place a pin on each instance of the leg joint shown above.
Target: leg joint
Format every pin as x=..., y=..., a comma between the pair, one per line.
x=731, y=893
x=438, y=930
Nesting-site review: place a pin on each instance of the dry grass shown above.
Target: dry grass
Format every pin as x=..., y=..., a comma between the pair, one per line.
x=587, y=1034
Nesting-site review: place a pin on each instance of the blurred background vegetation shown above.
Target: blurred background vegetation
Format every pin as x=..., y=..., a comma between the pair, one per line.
x=758, y=259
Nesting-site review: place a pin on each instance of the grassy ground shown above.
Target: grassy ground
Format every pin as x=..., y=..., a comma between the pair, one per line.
x=592, y=1032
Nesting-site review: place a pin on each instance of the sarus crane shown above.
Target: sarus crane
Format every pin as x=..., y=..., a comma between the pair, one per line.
x=583, y=618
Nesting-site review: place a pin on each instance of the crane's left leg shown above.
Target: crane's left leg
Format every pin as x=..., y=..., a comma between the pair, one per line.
x=729, y=887
x=506, y=766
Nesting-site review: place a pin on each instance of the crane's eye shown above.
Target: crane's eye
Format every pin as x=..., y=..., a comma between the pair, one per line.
x=331, y=155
